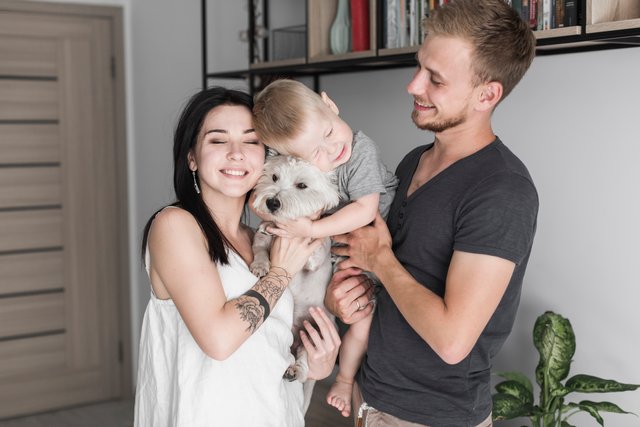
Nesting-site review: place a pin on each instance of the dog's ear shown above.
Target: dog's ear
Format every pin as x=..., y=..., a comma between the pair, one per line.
x=271, y=152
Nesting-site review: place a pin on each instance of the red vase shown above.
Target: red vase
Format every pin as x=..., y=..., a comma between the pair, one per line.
x=359, y=25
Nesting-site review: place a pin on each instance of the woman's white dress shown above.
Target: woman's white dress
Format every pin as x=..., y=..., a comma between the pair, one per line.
x=178, y=385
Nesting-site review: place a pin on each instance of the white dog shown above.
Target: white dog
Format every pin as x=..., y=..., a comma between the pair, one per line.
x=291, y=188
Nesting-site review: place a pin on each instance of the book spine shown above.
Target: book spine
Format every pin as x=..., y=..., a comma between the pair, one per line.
x=533, y=14
x=570, y=13
x=559, y=13
x=524, y=11
x=546, y=14
x=517, y=6
x=402, y=23
x=411, y=18
x=360, y=25
x=432, y=5
x=392, y=24
x=540, y=19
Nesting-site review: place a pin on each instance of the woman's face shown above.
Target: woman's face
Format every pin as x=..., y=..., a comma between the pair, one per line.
x=227, y=156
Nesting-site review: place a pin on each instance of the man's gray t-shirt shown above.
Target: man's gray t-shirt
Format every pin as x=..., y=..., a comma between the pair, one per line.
x=485, y=203
x=365, y=173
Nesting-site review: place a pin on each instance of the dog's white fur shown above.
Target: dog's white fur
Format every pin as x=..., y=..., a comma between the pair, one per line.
x=291, y=188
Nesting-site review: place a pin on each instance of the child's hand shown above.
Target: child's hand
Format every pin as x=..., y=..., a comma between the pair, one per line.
x=300, y=227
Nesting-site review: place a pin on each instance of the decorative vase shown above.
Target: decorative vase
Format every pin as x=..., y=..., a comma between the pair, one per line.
x=359, y=25
x=340, y=34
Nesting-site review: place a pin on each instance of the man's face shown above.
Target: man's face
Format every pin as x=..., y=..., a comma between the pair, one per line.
x=442, y=86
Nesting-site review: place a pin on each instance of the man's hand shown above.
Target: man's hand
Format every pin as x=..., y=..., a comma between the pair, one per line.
x=361, y=246
x=350, y=295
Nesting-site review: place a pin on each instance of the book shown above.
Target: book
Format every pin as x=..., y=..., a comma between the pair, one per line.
x=517, y=6
x=559, y=13
x=412, y=19
x=402, y=23
x=524, y=10
x=546, y=15
x=533, y=14
x=391, y=24
x=433, y=4
x=540, y=17
x=359, y=25
x=570, y=17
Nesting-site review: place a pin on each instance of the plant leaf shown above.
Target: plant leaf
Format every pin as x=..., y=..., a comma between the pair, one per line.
x=593, y=411
x=506, y=407
x=554, y=338
x=517, y=376
x=604, y=407
x=565, y=424
x=517, y=390
x=590, y=384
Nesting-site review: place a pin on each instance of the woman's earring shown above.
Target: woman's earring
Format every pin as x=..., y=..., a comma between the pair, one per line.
x=195, y=182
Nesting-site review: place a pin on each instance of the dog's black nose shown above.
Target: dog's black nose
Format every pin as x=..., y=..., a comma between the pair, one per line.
x=273, y=204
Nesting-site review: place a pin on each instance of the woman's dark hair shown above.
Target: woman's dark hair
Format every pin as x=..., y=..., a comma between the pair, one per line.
x=184, y=140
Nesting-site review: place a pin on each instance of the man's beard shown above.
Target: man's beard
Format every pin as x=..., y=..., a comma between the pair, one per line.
x=438, y=127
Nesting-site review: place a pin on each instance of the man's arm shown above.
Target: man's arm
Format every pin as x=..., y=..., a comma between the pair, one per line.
x=450, y=325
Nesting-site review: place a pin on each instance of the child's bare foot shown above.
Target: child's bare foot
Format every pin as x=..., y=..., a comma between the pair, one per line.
x=339, y=396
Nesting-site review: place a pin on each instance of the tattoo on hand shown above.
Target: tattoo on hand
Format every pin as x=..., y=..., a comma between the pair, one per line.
x=273, y=284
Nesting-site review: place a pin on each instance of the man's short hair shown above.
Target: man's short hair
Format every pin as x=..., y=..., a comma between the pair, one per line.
x=503, y=44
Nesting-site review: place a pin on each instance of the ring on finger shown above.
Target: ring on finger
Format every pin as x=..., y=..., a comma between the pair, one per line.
x=358, y=304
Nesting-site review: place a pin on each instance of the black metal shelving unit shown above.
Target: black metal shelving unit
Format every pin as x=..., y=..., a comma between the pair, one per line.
x=581, y=42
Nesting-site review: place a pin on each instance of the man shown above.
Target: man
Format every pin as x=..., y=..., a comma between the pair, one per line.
x=460, y=231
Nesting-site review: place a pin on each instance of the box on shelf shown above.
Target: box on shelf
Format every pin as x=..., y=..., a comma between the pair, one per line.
x=288, y=42
x=613, y=10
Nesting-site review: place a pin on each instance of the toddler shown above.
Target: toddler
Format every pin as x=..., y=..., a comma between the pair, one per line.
x=294, y=120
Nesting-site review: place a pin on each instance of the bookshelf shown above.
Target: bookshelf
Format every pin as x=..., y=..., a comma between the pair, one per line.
x=601, y=24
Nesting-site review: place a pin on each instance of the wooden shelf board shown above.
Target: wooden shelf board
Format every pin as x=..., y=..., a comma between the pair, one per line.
x=557, y=32
x=279, y=63
x=398, y=50
x=613, y=26
x=342, y=57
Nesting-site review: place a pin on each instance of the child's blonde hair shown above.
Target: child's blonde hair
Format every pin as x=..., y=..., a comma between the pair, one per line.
x=503, y=44
x=282, y=109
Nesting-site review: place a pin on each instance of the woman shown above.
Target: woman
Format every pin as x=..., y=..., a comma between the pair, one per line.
x=215, y=340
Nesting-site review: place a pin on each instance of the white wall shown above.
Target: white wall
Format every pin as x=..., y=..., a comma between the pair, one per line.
x=575, y=122
x=166, y=71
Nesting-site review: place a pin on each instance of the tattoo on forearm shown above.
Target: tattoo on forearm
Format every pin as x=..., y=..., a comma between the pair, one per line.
x=250, y=311
x=255, y=304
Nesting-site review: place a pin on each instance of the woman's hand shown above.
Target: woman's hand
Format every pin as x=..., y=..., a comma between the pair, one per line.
x=291, y=254
x=349, y=295
x=322, y=346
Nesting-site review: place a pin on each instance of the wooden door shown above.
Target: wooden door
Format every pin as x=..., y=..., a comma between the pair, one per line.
x=61, y=212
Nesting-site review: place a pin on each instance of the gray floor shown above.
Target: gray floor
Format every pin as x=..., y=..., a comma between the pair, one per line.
x=106, y=414
x=120, y=414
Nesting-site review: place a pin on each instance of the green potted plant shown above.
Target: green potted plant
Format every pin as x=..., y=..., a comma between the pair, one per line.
x=554, y=338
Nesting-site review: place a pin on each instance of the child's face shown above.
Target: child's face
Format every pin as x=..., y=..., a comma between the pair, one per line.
x=325, y=141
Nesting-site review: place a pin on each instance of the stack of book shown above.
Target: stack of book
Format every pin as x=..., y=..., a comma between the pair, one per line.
x=403, y=21
x=403, y=18
x=547, y=14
